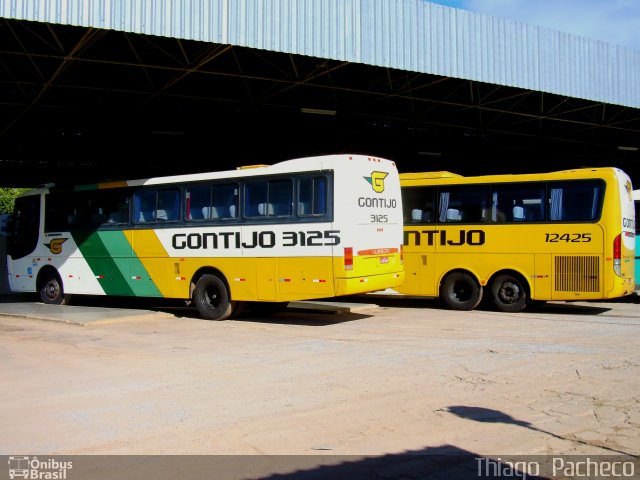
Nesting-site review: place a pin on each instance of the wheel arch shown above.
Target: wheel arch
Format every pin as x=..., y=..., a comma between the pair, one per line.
x=460, y=289
x=514, y=273
x=467, y=271
x=204, y=271
x=46, y=270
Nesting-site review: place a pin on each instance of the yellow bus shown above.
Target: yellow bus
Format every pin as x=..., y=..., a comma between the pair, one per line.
x=513, y=239
x=305, y=228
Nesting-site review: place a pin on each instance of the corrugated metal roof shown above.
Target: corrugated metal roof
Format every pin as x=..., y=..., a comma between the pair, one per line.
x=413, y=35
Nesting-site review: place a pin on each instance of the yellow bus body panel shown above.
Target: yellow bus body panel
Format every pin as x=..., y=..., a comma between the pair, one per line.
x=274, y=279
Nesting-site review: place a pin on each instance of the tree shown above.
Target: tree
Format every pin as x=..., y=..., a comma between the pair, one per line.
x=8, y=197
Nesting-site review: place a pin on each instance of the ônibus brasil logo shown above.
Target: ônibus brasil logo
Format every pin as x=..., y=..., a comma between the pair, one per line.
x=34, y=468
x=377, y=181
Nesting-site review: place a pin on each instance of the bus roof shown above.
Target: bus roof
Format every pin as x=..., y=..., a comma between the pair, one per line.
x=444, y=177
x=316, y=163
x=429, y=175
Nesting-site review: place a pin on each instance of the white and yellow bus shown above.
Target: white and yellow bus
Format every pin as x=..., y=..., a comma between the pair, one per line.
x=306, y=228
x=513, y=239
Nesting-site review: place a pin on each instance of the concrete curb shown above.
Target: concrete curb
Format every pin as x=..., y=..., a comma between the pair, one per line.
x=82, y=316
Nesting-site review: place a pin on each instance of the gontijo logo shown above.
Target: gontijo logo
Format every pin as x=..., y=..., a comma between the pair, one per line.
x=377, y=181
x=55, y=246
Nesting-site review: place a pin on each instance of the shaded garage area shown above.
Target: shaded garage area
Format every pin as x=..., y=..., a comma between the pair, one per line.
x=84, y=105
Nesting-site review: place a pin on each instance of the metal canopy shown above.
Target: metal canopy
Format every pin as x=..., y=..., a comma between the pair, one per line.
x=87, y=105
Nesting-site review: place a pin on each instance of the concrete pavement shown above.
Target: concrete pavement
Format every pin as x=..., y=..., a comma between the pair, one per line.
x=27, y=306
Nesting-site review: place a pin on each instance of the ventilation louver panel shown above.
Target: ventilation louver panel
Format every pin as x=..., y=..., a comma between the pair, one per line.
x=577, y=273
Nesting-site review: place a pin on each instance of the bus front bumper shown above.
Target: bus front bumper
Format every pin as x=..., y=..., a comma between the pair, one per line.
x=349, y=286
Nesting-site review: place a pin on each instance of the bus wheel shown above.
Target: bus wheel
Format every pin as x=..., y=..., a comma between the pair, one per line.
x=211, y=298
x=459, y=291
x=51, y=290
x=508, y=294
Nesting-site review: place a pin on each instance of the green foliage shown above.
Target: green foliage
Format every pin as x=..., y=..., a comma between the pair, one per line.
x=8, y=197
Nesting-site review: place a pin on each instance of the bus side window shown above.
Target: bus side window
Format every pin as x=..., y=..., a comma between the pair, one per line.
x=144, y=204
x=56, y=212
x=518, y=211
x=454, y=215
x=168, y=205
x=576, y=201
x=225, y=200
x=281, y=197
x=116, y=203
x=255, y=193
x=197, y=202
x=196, y=213
x=417, y=215
x=463, y=203
x=533, y=210
x=268, y=198
x=97, y=217
x=418, y=204
x=265, y=209
x=312, y=196
x=25, y=223
x=522, y=202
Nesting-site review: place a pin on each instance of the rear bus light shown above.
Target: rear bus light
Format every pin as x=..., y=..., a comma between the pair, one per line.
x=401, y=254
x=617, y=255
x=348, y=258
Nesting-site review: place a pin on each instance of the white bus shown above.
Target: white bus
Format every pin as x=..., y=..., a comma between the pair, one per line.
x=306, y=228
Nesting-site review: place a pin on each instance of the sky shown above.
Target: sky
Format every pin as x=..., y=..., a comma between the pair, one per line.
x=614, y=21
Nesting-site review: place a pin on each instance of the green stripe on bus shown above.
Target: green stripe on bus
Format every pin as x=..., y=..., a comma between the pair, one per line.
x=111, y=259
x=110, y=272
x=136, y=276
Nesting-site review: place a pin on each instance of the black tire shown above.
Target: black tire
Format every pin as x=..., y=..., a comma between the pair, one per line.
x=508, y=294
x=51, y=289
x=460, y=291
x=211, y=298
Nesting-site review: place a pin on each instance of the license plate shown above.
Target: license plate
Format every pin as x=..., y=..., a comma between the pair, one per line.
x=384, y=259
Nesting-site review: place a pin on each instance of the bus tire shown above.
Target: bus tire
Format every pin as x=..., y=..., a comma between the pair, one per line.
x=211, y=298
x=51, y=289
x=460, y=291
x=508, y=293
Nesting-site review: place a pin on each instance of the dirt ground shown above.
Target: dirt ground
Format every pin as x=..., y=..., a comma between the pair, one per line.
x=405, y=377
